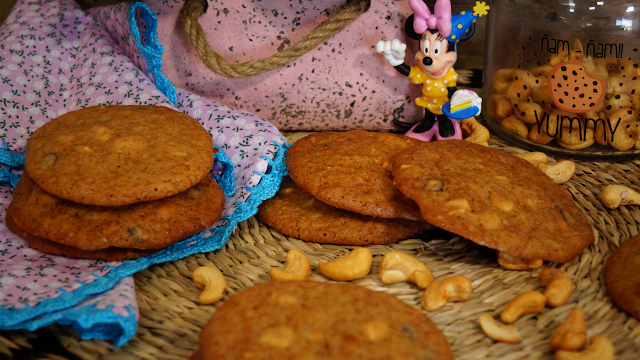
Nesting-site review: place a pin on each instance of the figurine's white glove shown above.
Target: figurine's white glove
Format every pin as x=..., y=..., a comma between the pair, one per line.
x=392, y=50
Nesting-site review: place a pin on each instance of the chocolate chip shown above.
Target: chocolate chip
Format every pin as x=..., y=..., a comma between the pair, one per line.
x=135, y=234
x=433, y=184
x=49, y=159
x=566, y=216
x=408, y=332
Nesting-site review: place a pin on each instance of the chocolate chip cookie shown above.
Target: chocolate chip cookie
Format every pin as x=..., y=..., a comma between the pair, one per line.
x=312, y=320
x=622, y=276
x=493, y=199
x=352, y=171
x=119, y=155
x=146, y=225
x=50, y=247
x=294, y=212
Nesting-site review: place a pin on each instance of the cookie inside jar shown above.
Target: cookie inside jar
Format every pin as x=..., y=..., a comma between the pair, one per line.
x=560, y=83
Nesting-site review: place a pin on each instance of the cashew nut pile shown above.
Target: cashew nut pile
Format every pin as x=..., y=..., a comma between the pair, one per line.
x=558, y=289
x=212, y=281
x=616, y=195
x=521, y=101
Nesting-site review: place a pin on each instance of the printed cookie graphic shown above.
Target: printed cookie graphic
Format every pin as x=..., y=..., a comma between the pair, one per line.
x=573, y=90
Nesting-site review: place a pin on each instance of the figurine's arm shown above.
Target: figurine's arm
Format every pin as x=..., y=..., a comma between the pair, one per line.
x=393, y=51
x=451, y=90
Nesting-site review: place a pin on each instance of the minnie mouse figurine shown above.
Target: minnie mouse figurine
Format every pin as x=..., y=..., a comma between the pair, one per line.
x=438, y=34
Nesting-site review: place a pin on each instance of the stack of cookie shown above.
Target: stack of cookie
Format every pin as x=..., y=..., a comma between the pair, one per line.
x=115, y=183
x=362, y=188
x=340, y=191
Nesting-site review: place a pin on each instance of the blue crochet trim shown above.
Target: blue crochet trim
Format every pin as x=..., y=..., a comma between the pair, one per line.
x=12, y=160
x=223, y=165
x=90, y=323
x=199, y=243
x=152, y=51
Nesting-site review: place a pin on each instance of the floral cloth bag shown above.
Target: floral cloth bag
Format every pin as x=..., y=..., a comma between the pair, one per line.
x=56, y=58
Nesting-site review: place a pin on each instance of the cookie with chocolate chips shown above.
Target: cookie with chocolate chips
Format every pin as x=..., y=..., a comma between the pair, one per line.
x=52, y=248
x=312, y=320
x=622, y=276
x=119, y=155
x=146, y=225
x=352, y=171
x=493, y=199
x=294, y=212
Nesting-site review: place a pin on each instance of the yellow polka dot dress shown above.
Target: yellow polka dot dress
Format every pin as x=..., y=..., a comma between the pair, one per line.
x=434, y=91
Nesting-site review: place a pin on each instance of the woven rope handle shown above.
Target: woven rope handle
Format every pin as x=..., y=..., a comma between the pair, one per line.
x=193, y=9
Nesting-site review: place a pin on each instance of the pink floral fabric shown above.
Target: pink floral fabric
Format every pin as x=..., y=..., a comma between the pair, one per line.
x=56, y=58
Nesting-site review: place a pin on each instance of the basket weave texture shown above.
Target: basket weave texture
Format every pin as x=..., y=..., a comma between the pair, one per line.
x=171, y=317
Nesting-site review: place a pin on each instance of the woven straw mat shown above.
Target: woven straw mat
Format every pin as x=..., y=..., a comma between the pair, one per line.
x=171, y=317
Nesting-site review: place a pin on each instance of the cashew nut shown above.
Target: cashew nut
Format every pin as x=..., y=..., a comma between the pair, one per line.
x=505, y=333
x=534, y=157
x=600, y=348
x=499, y=107
x=501, y=80
x=622, y=140
x=575, y=141
x=515, y=125
x=571, y=334
x=212, y=281
x=354, y=266
x=561, y=172
x=475, y=132
x=528, y=302
x=558, y=286
x=513, y=262
x=616, y=195
x=297, y=268
x=397, y=266
x=447, y=289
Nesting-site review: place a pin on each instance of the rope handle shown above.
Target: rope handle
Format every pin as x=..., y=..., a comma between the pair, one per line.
x=193, y=9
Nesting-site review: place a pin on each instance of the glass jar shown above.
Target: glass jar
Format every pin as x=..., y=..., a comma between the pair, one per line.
x=562, y=76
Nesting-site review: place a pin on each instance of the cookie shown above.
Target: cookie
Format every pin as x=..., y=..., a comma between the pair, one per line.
x=294, y=212
x=119, y=155
x=352, y=171
x=572, y=89
x=50, y=247
x=312, y=320
x=493, y=199
x=622, y=276
x=147, y=225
